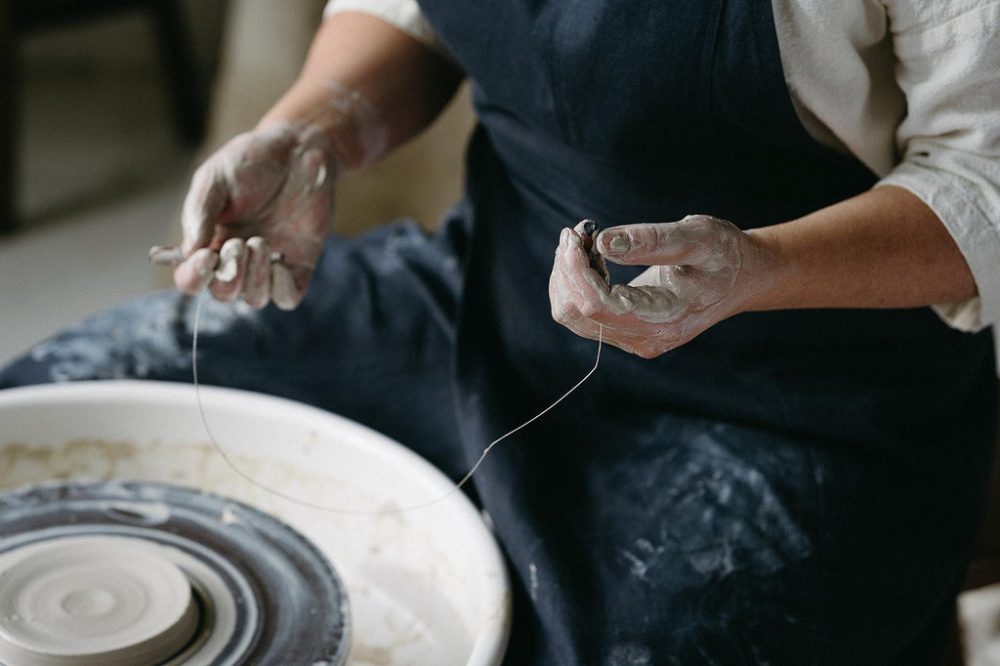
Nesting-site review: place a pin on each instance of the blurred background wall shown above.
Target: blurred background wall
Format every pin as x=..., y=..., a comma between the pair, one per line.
x=101, y=166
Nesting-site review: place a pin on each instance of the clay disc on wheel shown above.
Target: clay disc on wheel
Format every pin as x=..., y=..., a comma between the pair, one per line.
x=93, y=600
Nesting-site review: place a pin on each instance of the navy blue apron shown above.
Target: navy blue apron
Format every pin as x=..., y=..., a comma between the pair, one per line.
x=730, y=501
x=788, y=488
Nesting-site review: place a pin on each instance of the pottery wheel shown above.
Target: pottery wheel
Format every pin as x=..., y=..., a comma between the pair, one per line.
x=140, y=573
x=98, y=600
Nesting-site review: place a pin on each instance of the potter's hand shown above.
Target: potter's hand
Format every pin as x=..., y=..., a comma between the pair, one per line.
x=265, y=191
x=257, y=212
x=701, y=270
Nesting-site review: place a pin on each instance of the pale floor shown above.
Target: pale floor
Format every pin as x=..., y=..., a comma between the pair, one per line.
x=85, y=262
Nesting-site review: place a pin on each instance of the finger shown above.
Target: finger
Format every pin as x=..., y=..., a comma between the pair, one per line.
x=559, y=283
x=622, y=330
x=229, y=274
x=621, y=322
x=587, y=230
x=563, y=308
x=689, y=241
x=194, y=273
x=628, y=313
x=587, y=293
x=562, y=300
x=636, y=332
x=257, y=283
x=573, y=258
x=567, y=315
x=564, y=312
x=575, y=287
x=203, y=205
x=284, y=289
x=631, y=308
x=578, y=281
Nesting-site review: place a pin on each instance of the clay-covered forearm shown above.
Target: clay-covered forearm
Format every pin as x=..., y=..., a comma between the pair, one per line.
x=368, y=85
x=882, y=249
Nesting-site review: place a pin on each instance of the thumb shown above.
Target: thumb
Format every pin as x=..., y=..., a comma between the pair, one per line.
x=204, y=203
x=689, y=241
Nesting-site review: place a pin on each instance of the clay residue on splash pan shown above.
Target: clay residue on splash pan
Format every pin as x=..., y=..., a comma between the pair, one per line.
x=391, y=615
x=193, y=464
x=93, y=601
x=30, y=463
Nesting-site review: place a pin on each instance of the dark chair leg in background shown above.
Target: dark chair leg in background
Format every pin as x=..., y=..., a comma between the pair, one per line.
x=10, y=101
x=185, y=89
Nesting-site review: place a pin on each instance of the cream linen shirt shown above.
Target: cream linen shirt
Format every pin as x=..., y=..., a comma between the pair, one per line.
x=909, y=87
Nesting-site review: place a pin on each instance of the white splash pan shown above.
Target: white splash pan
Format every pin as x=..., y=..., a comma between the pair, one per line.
x=426, y=586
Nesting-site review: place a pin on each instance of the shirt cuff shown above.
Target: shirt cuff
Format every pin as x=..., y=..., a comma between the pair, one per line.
x=403, y=14
x=956, y=203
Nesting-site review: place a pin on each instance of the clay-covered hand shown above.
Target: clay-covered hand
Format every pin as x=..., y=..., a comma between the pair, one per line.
x=701, y=270
x=257, y=212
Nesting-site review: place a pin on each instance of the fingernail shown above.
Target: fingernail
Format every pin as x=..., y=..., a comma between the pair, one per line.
x=617, y=244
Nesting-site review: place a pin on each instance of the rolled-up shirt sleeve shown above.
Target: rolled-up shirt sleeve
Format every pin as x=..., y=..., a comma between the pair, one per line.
x=404, y=14
x=948, y=67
